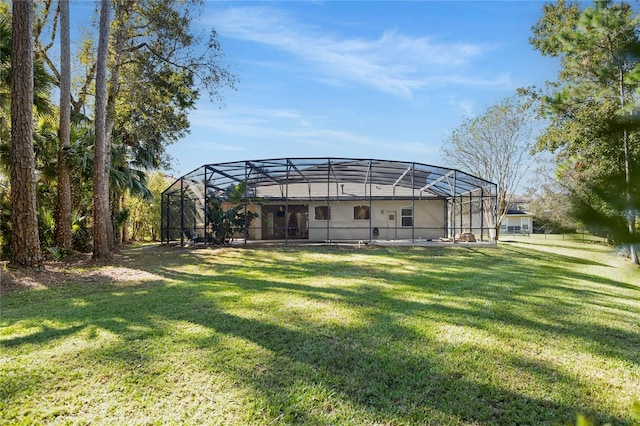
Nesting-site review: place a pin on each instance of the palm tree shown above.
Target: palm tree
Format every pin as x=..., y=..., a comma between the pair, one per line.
x=124, y=178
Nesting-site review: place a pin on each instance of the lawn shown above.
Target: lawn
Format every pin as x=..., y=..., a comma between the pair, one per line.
x=532, y=332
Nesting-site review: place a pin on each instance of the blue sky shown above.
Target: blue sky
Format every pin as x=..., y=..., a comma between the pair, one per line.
x=372, y=79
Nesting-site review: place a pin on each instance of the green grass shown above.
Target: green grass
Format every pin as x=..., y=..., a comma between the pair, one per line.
x=532, y=332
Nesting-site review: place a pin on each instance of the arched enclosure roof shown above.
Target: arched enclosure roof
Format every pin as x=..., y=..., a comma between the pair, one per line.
x=315, y=178
x=329, y=199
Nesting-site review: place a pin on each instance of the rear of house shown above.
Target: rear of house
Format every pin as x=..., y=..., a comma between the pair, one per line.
x=334, y=199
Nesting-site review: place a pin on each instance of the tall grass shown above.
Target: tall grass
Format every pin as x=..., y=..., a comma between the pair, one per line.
x=526, y=333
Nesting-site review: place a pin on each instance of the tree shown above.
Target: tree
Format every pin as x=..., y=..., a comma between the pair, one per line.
x=63, y=208
x=25, y=244
x=156, y=67
x=144, y=221
x=495, y=146
x=549, y=198
x=5, y=92
x=101, y=220
x=593, y=108
x=230, y=216
x=43, y=111
x=153, y=47
x=124, y=178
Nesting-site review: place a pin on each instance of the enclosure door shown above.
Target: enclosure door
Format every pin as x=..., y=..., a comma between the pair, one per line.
x=280, y=222
x=392, y=224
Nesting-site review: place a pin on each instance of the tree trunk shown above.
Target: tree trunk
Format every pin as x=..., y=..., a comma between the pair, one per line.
x=25, y=244
x=63, y=208
x=101, y=222
x=125, y=232
x=123, y=235
x=502, y=209
x=122, y=13
x=630, y=213
x=116, y=204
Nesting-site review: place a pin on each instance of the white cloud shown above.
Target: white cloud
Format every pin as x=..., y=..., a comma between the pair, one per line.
x=393, y=63
x=283, y=129
x=267, y=123
x=205, y=145
x=466, y=106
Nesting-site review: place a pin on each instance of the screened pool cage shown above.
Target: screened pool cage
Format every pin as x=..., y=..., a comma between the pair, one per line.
x=329, y=200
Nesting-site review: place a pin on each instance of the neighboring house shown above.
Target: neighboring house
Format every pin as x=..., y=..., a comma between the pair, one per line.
x=335, y=199
x=517, y=222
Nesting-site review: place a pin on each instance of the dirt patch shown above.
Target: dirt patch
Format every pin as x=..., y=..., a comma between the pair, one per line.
x=82, y=270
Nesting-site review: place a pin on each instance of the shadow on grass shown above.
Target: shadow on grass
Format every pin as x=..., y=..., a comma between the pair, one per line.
x=556, y=265
x=369, y=366
x=534, y=253
x=585, y=246
x=389, y=385
x=528, y=288
x=43, y=335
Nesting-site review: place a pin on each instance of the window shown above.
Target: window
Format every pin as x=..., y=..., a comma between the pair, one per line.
x=323, y=213
x=361, y=213
x=407, y=216
x=503, y=227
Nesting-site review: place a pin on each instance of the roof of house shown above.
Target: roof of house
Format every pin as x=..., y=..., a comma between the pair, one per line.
x=514, y=212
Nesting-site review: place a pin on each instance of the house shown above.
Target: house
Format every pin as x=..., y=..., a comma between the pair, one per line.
x=334, y=199
x=517, y=222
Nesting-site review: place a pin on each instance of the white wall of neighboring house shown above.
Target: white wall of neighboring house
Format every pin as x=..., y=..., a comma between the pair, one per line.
x=517, y=223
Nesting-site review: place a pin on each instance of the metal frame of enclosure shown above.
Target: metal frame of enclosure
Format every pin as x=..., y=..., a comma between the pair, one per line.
x=334, y=200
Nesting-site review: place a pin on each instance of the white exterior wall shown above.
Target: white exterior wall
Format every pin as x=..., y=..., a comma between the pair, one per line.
x=428, y=221
x=521, y=222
